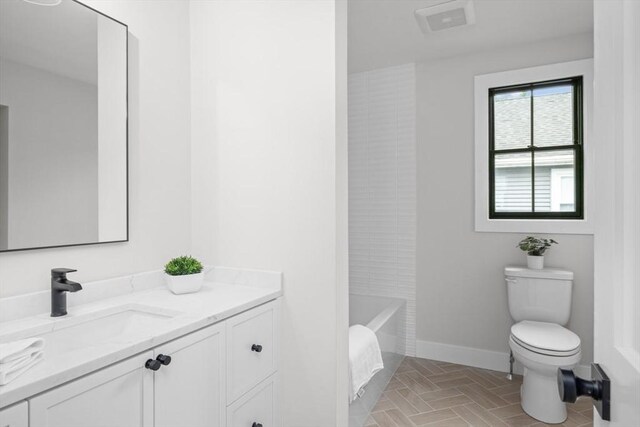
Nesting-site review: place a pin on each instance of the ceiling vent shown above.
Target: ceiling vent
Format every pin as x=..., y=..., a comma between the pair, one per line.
x=444, y=14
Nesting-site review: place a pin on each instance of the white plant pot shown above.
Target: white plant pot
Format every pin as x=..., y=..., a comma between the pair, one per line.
x=535, y=262
x=186, y=284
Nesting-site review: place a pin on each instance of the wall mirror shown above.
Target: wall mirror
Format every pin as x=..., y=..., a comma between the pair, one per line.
x=63, y=125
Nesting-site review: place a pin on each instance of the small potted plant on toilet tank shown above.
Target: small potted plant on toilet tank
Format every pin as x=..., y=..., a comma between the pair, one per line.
x=535, y=249
x=184, y=275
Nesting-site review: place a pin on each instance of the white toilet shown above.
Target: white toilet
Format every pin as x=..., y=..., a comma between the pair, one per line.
x=540, y=303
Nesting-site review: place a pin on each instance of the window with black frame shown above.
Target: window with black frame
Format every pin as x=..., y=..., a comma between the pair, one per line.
x=536, y=150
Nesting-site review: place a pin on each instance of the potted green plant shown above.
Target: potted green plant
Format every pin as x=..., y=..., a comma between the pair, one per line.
x=535, y=249
x=184, y=275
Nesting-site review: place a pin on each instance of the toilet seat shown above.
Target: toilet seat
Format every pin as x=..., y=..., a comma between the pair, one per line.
x=548, y=339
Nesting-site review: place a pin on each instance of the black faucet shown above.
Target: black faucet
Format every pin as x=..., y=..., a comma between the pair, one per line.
x=59, y=288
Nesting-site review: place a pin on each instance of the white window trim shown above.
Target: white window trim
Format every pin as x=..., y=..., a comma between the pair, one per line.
x=483, y=83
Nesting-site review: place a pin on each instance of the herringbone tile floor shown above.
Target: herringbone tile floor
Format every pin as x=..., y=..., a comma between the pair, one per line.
x=429, y=393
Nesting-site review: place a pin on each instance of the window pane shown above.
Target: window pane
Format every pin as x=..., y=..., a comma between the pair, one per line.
x=553, y=116
x=555, y=181
x=512, y=119
x=513, y=182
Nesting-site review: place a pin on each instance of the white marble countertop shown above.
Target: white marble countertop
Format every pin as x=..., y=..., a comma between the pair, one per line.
x=189, y=312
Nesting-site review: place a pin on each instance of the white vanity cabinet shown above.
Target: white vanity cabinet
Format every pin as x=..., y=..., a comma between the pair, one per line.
x=224, y=375
x=189, y=391
x=119, y=395
x=259, y=407
x=15, y=416
x=253, y=347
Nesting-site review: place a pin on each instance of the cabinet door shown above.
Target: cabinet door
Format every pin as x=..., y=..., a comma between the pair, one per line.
x=15, y=416
x=189, y=391
x=259, y=407
x=117, y=396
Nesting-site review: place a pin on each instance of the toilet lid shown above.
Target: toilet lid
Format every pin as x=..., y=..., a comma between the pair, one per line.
x=545, y=338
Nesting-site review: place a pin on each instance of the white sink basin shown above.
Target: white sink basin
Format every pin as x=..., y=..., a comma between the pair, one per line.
x=96, y=329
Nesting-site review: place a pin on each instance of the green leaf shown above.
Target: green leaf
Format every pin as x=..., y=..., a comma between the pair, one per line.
x=535, y=246
x=182, y=266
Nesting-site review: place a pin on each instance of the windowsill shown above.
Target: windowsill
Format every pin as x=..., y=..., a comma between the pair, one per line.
x=545, y=226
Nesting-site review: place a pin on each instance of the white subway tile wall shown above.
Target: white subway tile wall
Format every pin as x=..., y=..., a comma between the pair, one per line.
x=382, y=188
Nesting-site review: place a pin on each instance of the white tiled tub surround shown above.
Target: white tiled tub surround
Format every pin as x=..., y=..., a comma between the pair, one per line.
x=226, y=293
x=382, y=188
x=385, y=317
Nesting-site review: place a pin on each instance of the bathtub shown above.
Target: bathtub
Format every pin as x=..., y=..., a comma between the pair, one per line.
x=385, y=317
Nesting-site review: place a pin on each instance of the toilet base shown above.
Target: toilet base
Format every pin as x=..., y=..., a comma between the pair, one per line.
x=540, y=399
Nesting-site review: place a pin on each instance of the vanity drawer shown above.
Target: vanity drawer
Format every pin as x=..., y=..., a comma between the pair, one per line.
x=15, y=416
x=258, y=407
x=252, y=348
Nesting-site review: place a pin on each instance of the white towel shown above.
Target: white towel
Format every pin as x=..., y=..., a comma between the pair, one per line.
x=365, y=358
x=19, y=356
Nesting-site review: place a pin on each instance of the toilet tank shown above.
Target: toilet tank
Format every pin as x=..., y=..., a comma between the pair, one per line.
x=539, y=295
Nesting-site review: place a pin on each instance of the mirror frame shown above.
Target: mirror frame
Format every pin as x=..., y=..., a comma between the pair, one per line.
x=126, y=239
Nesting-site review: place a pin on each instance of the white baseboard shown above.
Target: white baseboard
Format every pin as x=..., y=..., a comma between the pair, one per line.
x=486, y=359
x=476, y=357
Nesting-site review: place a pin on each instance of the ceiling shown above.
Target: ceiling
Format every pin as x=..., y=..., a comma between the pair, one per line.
x=385, y=32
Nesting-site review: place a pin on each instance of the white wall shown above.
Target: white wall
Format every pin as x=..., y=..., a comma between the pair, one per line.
x=382, y=188
x=461, y=295
x=112, y=131
x=4, y=176
x=42, y=162
x=268, y=166
x=268, y=176
x=159, y=157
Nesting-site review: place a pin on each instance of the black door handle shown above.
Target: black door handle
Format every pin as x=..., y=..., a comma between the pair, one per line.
x=256, y=347
x=256, y=425
x=571, y=387
x=154, y=365
x=164, y=359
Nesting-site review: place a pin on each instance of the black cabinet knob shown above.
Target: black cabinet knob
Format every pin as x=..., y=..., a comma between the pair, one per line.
x=256, y=347
x=164, y=359
x=256, y=425
x=154, y=365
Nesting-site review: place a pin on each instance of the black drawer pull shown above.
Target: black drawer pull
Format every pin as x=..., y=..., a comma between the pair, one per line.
x=154, y=365
x=164, y=359
x=256, y=425
x=257, y=348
